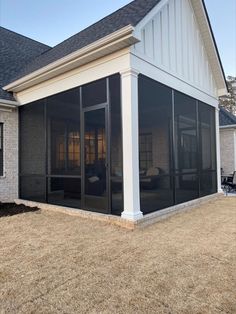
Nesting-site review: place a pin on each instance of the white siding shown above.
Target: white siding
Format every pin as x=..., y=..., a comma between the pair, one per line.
x=171, y=40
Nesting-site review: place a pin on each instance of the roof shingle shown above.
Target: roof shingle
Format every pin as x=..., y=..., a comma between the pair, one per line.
x=15, y=52
x=131, y=14
x=226, y=118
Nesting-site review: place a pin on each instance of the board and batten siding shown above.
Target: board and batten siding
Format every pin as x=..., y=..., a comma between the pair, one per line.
x=171, y=40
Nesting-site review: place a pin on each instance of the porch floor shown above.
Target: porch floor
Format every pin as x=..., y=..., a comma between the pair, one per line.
x=55, y=263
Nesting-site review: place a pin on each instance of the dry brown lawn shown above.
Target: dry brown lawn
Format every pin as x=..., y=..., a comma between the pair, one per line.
x=55, y=263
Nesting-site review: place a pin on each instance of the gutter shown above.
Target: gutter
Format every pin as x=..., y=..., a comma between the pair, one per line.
x=230, y=126
x=9, y=103
x=122, y=36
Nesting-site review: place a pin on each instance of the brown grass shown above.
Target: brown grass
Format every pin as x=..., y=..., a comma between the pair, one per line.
x=55, y=263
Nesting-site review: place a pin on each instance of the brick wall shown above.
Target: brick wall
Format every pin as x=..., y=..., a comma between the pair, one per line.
x=9, y=180
x=227, y=150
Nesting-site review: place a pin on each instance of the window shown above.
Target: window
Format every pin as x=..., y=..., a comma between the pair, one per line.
x=73, y=148
x=65, y=143
x=155, y=150
x=207, y=147
x=189, y=150
x=1, y=149
x=93, y=138
x=64, y=149
x=185, y=134
x=207, y=137
x=145, y=142
x=177, y=147
x=186, y=154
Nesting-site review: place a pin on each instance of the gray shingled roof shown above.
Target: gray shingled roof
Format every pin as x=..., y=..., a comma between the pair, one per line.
x=226, y=118
x=131, y=14
x=15, y=52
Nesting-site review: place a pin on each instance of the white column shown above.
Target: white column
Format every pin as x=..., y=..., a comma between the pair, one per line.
x=218, y=151
x=129, y=88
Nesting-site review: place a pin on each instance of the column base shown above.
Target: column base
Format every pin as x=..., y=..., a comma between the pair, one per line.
x=132, y=216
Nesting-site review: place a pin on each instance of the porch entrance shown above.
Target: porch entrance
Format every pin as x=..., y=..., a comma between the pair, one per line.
x=72, y=148
x=95, y=159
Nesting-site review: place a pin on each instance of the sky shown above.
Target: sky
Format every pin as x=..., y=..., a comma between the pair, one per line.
x=52, y=21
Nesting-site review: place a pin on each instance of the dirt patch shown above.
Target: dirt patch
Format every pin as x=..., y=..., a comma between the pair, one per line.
x=13, y=209
x=55, y=263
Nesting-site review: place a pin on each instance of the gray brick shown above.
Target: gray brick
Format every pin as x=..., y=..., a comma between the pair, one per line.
x=9, y=181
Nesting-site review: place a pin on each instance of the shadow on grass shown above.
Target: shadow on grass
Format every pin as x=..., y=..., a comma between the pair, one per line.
x=14, y=209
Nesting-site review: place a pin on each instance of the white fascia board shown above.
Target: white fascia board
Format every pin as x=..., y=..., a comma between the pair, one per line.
x=95, y=70
x=171, y=81
x=6, y=108
x=148, y=17
x=222, y=92
x=108, y=44
x=210, y=45
x=8, y=103
x=206, y=34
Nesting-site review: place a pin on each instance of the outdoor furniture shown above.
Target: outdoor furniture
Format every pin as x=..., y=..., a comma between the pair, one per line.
x=232, y=184
x=150, y=179
x=229, y=182
x=225, y=178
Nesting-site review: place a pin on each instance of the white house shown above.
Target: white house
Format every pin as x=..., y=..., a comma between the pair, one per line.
x=121, y=118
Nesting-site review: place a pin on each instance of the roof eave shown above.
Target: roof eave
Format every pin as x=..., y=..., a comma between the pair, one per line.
x=229, y=126
x=210, y=45
x=216, y=48
x=120, y=39
x=8, y=103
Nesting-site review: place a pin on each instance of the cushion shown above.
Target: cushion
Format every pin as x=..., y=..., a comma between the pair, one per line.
x=152, y=172
x=146, y=180
x=93, y=179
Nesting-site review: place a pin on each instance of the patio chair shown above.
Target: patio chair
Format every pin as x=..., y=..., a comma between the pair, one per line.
x=229, y=184
x=232, y=185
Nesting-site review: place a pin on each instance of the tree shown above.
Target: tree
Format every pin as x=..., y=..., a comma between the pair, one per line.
x=229, y=101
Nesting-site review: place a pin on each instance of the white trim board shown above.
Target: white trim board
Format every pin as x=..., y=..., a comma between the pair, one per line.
x=180, y=27
x=103, y=67
x=169, y=80
x=102, y=47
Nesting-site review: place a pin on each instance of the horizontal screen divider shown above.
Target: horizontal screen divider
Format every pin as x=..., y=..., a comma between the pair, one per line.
x=64, y=176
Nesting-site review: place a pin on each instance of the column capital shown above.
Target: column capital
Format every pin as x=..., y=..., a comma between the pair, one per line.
x=129, y=72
